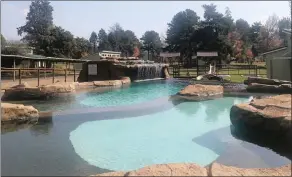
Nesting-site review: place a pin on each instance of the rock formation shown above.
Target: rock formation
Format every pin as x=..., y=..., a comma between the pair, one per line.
x=18, y=114
x=263, y=85
x=26, y=92
x=191, y=169
x=270, y=114
x=200, y=92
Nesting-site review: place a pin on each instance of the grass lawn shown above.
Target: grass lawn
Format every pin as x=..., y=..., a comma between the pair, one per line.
x=236, y=75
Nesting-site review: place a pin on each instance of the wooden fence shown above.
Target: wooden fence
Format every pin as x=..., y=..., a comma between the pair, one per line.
x=179, y=71
x=36, y=73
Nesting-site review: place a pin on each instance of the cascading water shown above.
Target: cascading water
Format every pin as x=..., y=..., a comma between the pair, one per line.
x=149, y=71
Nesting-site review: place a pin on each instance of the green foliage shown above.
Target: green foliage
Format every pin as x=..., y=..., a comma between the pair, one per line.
x=284, y=23
x=180, y=32
x=123, y=41
x=103, y=41
x=3, y=42
x=93, y=40
x=151, y=42
x=39, y=22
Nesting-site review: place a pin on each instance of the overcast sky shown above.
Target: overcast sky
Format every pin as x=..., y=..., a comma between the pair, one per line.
x=83, y=17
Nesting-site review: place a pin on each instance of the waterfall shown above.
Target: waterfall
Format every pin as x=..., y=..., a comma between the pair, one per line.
x=149, y=71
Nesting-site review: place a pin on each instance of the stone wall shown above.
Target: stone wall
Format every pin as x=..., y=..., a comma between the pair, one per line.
x=111, y=70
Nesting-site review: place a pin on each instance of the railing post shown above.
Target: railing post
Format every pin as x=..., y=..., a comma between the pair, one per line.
x=38, y=77
x=256, y=70
x=14, y=69
x=74, y=76
x=66, y=75
x=53, y=75
x=19, y=75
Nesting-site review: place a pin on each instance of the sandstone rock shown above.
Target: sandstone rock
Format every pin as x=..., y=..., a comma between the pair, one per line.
x=84, y=85
x=166, y=73
x=18, y=113
x=25, y=92
x=115, y=173
x=125, y=80
x=265, y=81
x=107, y=83
x=262, y=88
x=269, y=114
x=222, y=170
x=182, y=169
x=200, y=92
x=58, y=88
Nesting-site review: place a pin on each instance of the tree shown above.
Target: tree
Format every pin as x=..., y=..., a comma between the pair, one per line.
x=180, y=33
x=39, y=22
x=243, y=28
x=212, y=35
x=284, y=23
x=269, y=38
x=103, y=41
x=3, y=42
x=93, y=40
x=62, y=44
x=151, y=42
x=82, y=47
x=129, y=42
x=115, y=35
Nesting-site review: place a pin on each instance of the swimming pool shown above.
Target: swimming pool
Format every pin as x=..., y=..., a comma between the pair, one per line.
x=130, y=128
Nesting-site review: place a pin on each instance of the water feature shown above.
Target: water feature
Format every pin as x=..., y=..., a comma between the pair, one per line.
x=149, y=71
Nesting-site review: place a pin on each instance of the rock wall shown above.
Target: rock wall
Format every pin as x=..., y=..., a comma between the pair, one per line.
x=191, y=169
x=112, y=70
x=263, y=85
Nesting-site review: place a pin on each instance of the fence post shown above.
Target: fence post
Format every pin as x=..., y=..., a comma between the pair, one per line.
x=19, y=75
x=74, y=75
x=256, y=70
x=53, y=75
x=66, y=75
x=45, y=69
x=14, y=69
x=38, y=77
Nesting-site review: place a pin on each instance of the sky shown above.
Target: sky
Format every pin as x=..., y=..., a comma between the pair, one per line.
x=83, y=17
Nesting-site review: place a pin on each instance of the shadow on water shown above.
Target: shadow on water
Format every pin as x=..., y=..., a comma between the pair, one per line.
x=43, y=149
x=281, y=145
x=242, y=152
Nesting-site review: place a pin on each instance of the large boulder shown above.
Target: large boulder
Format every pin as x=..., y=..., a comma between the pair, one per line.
x=182, y=169
x=264, y=88
x=166, y=73
x=200, y=92
x=26, y=92
x=272, y=114
x=191, y=169
x=217, y=169
x=18, y=114
x=107, y=83
x=125, y=80
x=265, y=81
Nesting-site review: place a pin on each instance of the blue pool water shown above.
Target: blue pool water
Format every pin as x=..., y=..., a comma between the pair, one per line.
x=170, y=136
x=136, y=93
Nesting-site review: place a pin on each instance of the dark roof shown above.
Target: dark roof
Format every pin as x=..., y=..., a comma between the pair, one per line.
x=274, y=50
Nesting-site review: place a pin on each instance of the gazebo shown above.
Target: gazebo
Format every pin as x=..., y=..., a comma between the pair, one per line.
x=211, y=55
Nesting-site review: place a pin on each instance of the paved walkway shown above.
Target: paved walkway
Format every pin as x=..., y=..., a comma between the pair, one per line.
x=34, y=81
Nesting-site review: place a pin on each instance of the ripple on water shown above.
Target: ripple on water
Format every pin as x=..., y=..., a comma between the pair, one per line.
x=164, y=137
